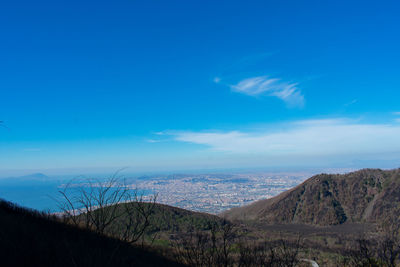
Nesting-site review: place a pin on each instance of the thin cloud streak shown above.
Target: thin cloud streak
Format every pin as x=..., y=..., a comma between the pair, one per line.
x=351, y=102
x=263, y=85
x=153, y=141
x=308, y=138
x=31, y=149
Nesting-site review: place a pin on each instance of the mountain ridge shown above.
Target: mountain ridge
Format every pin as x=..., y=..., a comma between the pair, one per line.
x=363, y=196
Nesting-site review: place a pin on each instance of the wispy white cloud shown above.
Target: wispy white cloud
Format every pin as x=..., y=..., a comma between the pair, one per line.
x=351, y=102
x=310, y=137
x=217, y=79
x=153, y=141
x=396, y=113
x=263, y=85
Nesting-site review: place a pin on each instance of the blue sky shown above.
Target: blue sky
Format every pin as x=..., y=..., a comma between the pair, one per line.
x=164, y=85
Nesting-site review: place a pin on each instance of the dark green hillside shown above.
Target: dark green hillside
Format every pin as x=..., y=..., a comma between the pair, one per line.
x=164, y=221
x=369, y=195
x=173, y=219
x=29, y=238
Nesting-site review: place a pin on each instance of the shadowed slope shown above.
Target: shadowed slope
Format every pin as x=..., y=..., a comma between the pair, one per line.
x=29, y=238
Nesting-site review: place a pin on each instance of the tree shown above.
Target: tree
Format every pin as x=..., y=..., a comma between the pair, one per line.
x=107, y=207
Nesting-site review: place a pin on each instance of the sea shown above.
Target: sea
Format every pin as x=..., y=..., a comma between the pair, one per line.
x=38, y=191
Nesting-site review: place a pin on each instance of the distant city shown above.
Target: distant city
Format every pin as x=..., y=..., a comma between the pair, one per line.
x=214, y=193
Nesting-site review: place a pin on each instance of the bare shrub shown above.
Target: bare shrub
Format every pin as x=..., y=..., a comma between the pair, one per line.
x=213, y=247
x=107, y=207
x=381, y=251
x=223, y=245
x=278, y=253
